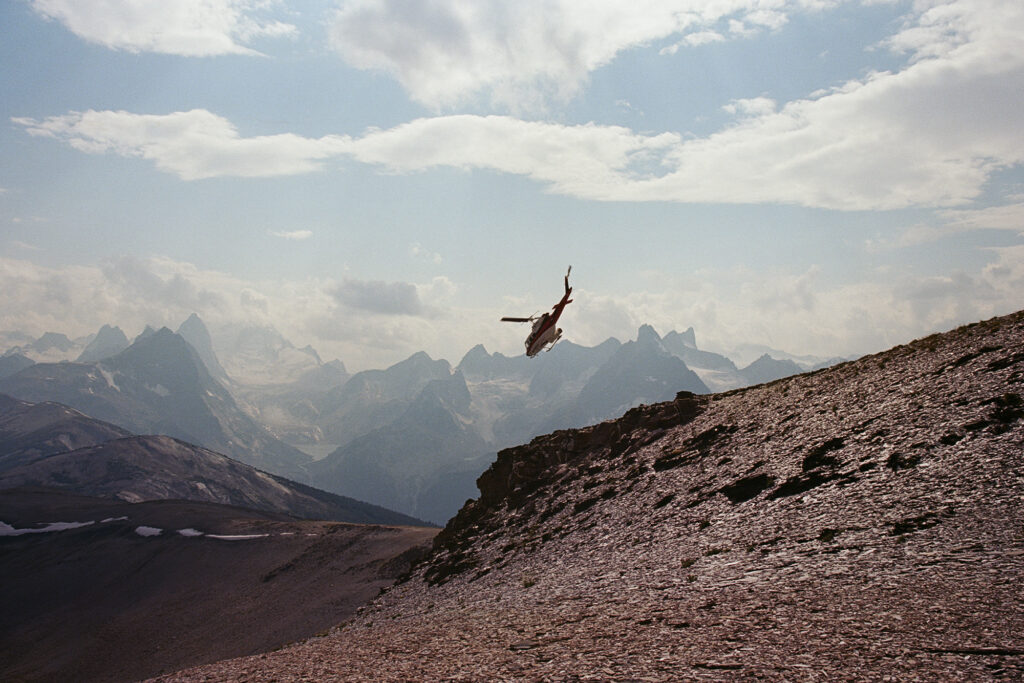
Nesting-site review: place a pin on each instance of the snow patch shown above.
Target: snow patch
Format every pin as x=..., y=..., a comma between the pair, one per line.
x=237, y=537
x=113, y=519
x=191, y=533
x=109, y=376
x=8, y=530
x=160, y=390
x=148, y=531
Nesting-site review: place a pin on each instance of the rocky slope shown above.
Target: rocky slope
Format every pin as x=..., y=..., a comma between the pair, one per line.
x=32, y=431
x=133, y=590
x=859, y=522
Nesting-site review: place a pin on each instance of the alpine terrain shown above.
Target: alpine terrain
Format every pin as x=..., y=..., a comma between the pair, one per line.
x=858, y=522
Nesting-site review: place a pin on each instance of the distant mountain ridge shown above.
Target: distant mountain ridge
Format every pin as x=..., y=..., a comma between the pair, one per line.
x=412, y=461
x=52, y=446
x=377, y=432
x=159, y=385
x=144, y=468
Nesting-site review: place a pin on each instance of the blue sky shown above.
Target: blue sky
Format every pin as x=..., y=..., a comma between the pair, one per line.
x=380, y=177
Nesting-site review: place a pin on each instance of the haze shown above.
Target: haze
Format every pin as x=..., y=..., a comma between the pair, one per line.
x=376, y=178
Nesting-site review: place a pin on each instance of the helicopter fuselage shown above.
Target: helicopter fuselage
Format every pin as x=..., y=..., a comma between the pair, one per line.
x=544, y=334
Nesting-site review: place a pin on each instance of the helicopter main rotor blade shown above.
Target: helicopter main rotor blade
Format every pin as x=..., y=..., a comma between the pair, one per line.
x=517, y=320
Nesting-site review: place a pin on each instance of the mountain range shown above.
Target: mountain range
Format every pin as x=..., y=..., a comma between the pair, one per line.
x=159, y=385
x=860, y=522
x=411, y=437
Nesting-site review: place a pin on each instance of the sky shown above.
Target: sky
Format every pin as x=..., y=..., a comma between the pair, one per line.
x=381, y=177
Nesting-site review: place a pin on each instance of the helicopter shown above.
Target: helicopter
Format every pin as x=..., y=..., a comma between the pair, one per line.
x=544, y=334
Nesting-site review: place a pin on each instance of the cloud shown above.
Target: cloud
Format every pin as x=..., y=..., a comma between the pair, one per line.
x=524, y=55
x=755, y=106
x=174, y=291
x=1009, y=217
x=292, y=234
x=192, y=144
x=695, y=39
x=417, y=251
x=1005, y=217
x=191, y=28
x=797, y=312
x=930, y=135
x=390, y=298
x=374, y=324
x=583, y=161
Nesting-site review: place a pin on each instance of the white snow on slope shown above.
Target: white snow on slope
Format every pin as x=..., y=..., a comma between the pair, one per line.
x=8, y=530
x=239, y=537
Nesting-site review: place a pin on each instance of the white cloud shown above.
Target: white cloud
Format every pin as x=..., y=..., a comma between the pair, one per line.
x=930, y=135
x=585, y=161
x=1008, y=217
x=754, y=106
x=418, y=251
x=330, y=315
x=192, y=144
x=798, y=313
x=699, y=38
x=521, y=55
x=192, y=28
x=292, y=234
x=1005, y=217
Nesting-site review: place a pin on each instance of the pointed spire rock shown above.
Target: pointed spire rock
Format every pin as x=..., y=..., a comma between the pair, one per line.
x=647, y=336
x=195, y=332
x=109, y=341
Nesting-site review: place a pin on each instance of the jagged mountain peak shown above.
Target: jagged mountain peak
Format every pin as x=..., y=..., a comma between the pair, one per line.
x=475, y=355
x=147, y=332
x=52, y=340
x=160, y=349
x=419, y=365
x=108, y=341
x=647, y=336
x=195, y=332
x=687, y=339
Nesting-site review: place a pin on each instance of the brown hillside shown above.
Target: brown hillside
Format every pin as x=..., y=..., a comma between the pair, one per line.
x=104, y=602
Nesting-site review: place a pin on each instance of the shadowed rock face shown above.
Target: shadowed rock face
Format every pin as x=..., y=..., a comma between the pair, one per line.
x=853, y=523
